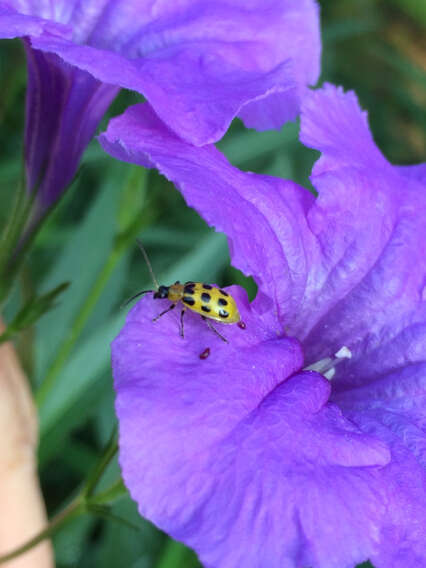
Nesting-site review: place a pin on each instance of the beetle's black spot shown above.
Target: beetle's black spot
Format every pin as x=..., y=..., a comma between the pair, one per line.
x=207, y=286
x=188, y=300
x=205, y=297
x=223, y=292
x=189, y=288
x=222, y=302
x=205, y=309
x=223, y=313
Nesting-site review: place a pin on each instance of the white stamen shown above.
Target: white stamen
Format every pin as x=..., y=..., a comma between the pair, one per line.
x=327, y=366
x=321, y=366
x=330, y=373
x=344, y=353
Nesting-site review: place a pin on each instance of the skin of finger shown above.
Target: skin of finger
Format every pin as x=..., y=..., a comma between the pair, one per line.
x=22, y=509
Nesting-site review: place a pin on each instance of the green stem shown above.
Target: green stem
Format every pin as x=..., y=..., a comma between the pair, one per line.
x=78, y=324
x=105, y=513
x=10, y=236
x=119, y=246
x=114, y=492
x=107, y=455
x=74, y=509
x=9, y=232
x=126, y=234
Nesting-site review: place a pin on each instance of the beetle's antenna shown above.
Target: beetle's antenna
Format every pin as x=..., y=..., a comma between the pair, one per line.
x=149, y=266
x=134, y=297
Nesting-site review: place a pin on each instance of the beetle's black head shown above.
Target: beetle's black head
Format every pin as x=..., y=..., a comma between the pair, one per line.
x=162, y=292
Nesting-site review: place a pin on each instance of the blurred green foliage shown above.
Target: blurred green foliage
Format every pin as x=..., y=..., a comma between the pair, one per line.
x=373, y=46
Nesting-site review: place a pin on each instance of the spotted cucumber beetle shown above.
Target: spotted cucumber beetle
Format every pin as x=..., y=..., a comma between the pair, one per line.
x=210, y=302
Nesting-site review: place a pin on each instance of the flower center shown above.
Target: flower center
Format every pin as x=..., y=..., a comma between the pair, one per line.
x=327, y=366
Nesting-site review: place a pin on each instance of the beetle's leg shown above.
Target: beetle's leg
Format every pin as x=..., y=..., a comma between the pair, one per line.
x=182, y=313
x=210, y=325
x=164, y=312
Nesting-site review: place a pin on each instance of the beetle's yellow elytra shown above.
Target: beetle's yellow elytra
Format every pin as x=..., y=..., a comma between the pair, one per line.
x=209, y=302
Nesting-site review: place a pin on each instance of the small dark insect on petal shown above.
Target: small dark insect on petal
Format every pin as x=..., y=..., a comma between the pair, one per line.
x=241, y=325
x=205, y=353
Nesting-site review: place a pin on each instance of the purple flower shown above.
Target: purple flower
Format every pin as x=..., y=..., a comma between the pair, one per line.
x=248, y=456
x=199, y=63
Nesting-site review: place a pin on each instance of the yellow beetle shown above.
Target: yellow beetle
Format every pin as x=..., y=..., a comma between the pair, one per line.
x=210, y=302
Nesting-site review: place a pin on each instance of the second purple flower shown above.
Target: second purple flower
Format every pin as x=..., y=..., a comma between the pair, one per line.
x=199, y=64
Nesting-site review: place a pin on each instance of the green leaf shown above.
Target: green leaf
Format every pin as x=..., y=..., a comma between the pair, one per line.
x=71, y=541
x=414, y=8
x=203, y=263
x=79, y=458
x=398, y=62
x=10, y=262
x=121, y=546
x=133, y=193
x=78, y=389
x=32, y=311
x=79, y=262
x=246, y=146
x=347, y=28
x=105, y=512
x=114, y=492
x=177, y=555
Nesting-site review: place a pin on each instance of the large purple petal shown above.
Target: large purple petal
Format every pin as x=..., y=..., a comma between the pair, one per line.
x=13, y=24
x=393, y=409
x=204, y=90
x=345, y=269
x=206, y=60
x=368, y=289
x=264, y=217
x=338, y=262
x=397, y=401
x=417, y=171
x=372, y=291
x=227, y=455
